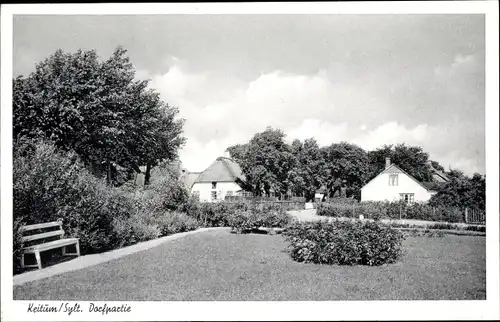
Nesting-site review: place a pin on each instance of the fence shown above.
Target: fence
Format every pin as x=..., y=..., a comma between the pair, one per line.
x=474, y=216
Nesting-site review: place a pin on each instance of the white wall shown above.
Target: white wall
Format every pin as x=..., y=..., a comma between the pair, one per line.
x=379, y=190
x=205, y=190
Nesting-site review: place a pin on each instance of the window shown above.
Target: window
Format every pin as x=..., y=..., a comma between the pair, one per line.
x=214, y=195
x=407, y=197
x=214, y=185
x=393, y=180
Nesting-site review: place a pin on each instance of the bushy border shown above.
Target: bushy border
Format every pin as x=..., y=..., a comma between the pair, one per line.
x=390, y=210
x=242, y=215
x=344, y=242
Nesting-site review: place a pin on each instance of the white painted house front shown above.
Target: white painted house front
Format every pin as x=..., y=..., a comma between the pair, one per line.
x=394, y=184
x=222, y=178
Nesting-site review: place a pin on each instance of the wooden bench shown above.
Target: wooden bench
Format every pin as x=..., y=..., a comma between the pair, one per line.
x=40, y=247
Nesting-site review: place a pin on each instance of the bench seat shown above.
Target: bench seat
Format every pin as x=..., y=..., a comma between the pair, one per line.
x=51, y=245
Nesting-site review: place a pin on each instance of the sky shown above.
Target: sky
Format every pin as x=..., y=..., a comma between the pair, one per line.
x=364, y=79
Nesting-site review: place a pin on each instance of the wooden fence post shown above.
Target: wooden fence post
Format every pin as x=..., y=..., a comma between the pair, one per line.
x=466, y=209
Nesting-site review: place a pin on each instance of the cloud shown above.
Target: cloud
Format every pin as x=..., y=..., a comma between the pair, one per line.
x=221, y=112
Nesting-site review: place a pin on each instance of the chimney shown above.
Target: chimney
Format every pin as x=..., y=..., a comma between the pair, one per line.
x=387, y=162
x=227, y=154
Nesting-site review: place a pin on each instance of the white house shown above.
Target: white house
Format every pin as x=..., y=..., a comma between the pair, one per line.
x=222, y=178
x=395, y=184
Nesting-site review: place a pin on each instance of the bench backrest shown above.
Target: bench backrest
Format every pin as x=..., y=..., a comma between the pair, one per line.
x=30, y=238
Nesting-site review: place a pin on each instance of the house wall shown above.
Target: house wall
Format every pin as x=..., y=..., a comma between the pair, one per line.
x=379, y=190
x=205, y=190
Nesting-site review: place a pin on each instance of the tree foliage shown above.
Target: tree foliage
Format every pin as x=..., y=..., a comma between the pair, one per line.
x=411, y=159
x=462, y=191
x=302, y=168
x=307, y=175
x=266, y=162
x=346, y=166
x=97, y=109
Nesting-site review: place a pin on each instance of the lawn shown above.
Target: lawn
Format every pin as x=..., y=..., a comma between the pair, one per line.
x=218, y=265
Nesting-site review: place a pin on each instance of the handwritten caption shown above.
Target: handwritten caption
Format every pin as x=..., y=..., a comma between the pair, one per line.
x=70, y=308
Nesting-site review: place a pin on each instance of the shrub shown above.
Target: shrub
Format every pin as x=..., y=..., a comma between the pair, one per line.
x=49, y=184
x=344, y=242
x=18, y=244
x=264, y=215
x=391, y=210
x=175, y=222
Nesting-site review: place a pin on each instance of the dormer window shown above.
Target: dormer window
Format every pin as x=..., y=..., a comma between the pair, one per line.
x=393, y=180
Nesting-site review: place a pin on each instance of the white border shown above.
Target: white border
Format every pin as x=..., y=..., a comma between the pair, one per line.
x=349, y=310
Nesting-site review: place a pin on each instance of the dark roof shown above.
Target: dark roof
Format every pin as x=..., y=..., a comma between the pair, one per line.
x=223, y=169
x=430, y=185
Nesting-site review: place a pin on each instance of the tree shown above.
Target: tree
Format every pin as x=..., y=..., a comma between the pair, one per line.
x=266, y=162
x=346, y=167
x=461, y=191
x=307, y=174
x=411, y=159
x=97, y=109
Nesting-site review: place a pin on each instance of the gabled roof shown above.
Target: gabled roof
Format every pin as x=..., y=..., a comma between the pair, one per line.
x=393, y=167
x=222, y=170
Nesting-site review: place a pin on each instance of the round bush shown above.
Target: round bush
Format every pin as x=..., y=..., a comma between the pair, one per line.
x=344, y=242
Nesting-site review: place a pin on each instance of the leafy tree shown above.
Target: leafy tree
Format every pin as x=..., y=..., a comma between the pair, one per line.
x=461, y=191
x=97, y=109
x=307, y=175
x=346, y=167
x=266, y=162
x=436, y=165
x=411, y=159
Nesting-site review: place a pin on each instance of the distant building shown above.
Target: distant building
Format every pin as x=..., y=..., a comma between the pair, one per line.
x=395, y=184
x=222, y=178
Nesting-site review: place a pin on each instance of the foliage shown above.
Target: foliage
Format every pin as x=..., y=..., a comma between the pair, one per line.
x=307, y=175
x=49, y=185
x=241, y=215
x=97, y=109
x=17, y=235
x=346, y=166
x=411, y=159
x=462, y=191
x=266, y=162
x=175, y=222
x=391, y=210
x=344, y=243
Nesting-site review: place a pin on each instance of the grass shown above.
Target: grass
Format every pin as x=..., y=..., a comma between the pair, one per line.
x=222, y=266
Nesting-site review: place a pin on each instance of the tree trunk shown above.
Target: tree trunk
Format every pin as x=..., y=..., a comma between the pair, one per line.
x=147, y=176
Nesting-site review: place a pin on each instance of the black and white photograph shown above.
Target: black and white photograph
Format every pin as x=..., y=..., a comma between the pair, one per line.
x=176, y=153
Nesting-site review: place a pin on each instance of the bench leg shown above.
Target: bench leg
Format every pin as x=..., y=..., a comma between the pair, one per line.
x=22, y=262
x=38, y=260
x=64, y=251
x=78, y=248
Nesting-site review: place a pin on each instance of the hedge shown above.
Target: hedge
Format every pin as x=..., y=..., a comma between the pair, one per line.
x=241, y=216
x=344, y=242
x=391, y=210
